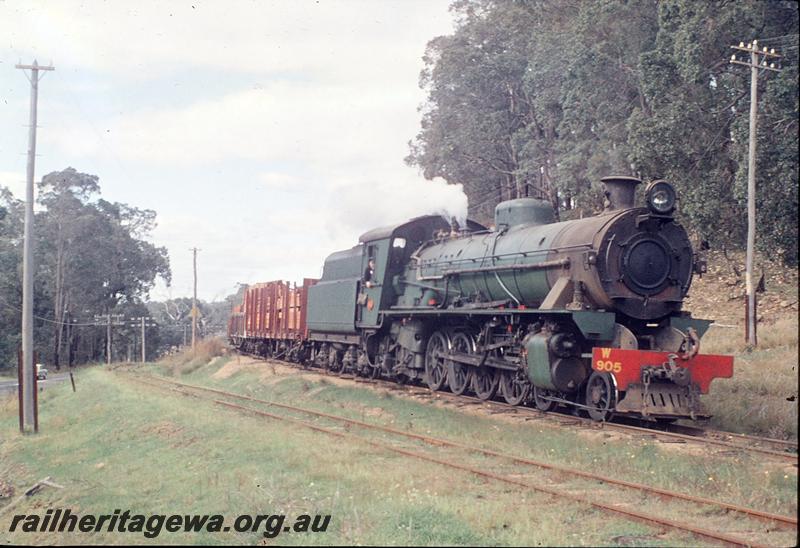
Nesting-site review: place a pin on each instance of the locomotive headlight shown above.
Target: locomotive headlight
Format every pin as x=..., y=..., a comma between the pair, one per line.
x=661, y=197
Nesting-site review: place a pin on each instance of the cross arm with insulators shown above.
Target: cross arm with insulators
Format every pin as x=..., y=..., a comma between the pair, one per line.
x=766, y=58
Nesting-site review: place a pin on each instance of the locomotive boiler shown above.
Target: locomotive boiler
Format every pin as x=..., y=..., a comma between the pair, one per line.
x=584, y=313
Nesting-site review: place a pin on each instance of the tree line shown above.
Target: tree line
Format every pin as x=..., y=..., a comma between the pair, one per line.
x=92, y=258
x=544, y=97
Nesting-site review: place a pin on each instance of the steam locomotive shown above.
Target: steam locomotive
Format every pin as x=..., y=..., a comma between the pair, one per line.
x=583, y=313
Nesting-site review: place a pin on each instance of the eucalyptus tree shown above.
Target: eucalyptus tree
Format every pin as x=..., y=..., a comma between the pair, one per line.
x=93, y=254
x=545, y=97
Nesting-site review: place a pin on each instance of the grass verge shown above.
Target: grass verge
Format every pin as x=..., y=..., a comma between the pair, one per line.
x=761, y=398
x=119, y=444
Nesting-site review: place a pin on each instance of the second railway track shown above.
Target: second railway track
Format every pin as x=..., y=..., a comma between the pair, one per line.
x=780, y=450
x=781, y=525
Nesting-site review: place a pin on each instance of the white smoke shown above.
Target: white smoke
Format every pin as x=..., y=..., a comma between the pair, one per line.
x=373, y=203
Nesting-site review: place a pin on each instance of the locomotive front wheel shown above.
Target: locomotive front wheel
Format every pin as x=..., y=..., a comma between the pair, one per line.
x=513, y=390
x=459, y=374
x=435, y=360
x=485, y=381
x=600, y=396
x=541, y=403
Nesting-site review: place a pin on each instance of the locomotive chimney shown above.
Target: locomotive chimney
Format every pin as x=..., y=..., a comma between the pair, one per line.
x=619, y=192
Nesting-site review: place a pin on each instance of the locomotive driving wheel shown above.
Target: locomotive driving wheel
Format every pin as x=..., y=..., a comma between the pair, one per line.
x=436, y=361
x=485, y=381
x=513, y=387
x=459, y=374
x=541, y=403
x=601, y=396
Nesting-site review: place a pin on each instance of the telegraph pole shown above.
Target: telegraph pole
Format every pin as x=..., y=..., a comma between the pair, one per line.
x=758, y=60
x=108, y=320
x=108, y=340
x=194, y=298
x=28, y=395
x=143, y=321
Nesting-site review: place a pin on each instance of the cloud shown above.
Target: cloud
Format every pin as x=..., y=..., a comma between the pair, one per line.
x=321, y=125
x=291, y=240
x=15, y=182
x=147, y=39
x=279, y=181
x=269, y=134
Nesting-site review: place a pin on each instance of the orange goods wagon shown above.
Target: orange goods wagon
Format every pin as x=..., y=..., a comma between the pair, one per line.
x=276, y=310
x=236, y=322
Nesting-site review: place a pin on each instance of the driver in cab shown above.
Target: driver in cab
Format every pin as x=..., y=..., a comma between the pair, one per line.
x=369, y=274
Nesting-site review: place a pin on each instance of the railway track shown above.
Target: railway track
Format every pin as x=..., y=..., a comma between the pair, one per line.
x=746, y=516
x=781, y=450
x=672, y=432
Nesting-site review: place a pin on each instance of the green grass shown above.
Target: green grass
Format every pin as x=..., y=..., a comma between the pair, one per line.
x=119, y=444
x=115, y=444
x=761, y=398
x=739, y=479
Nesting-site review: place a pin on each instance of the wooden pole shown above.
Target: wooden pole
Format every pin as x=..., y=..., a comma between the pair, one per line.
x=751, y=203
x=108, y=340
x=20, y=380
x=757, y=60
x=35, y=394
x=27, y=256
x=194, y=298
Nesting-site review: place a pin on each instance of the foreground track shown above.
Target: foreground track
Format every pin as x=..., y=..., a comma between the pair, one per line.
x=781, y=450
x=211, y=393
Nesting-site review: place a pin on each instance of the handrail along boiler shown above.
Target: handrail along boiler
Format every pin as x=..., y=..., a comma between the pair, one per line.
x=583, y=313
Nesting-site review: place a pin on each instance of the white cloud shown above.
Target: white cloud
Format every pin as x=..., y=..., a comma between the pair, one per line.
x=15, y=182
x=284, y=142
x=280, y=241
x=279, y=181
x=325, y=125
x=146, y=39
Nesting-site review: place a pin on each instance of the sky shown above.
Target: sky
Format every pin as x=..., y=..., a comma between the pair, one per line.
x=268, y=134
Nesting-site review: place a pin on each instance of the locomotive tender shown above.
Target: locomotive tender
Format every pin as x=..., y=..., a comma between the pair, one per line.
x=583, y=313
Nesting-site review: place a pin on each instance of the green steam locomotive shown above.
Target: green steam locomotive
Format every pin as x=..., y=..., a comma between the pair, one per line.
x=583, y=313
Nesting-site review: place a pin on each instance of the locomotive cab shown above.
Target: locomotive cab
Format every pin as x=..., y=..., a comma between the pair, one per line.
x=392, y=248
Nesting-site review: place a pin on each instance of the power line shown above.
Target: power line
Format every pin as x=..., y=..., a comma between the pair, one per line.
x=784, y=37
x=48, y=320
